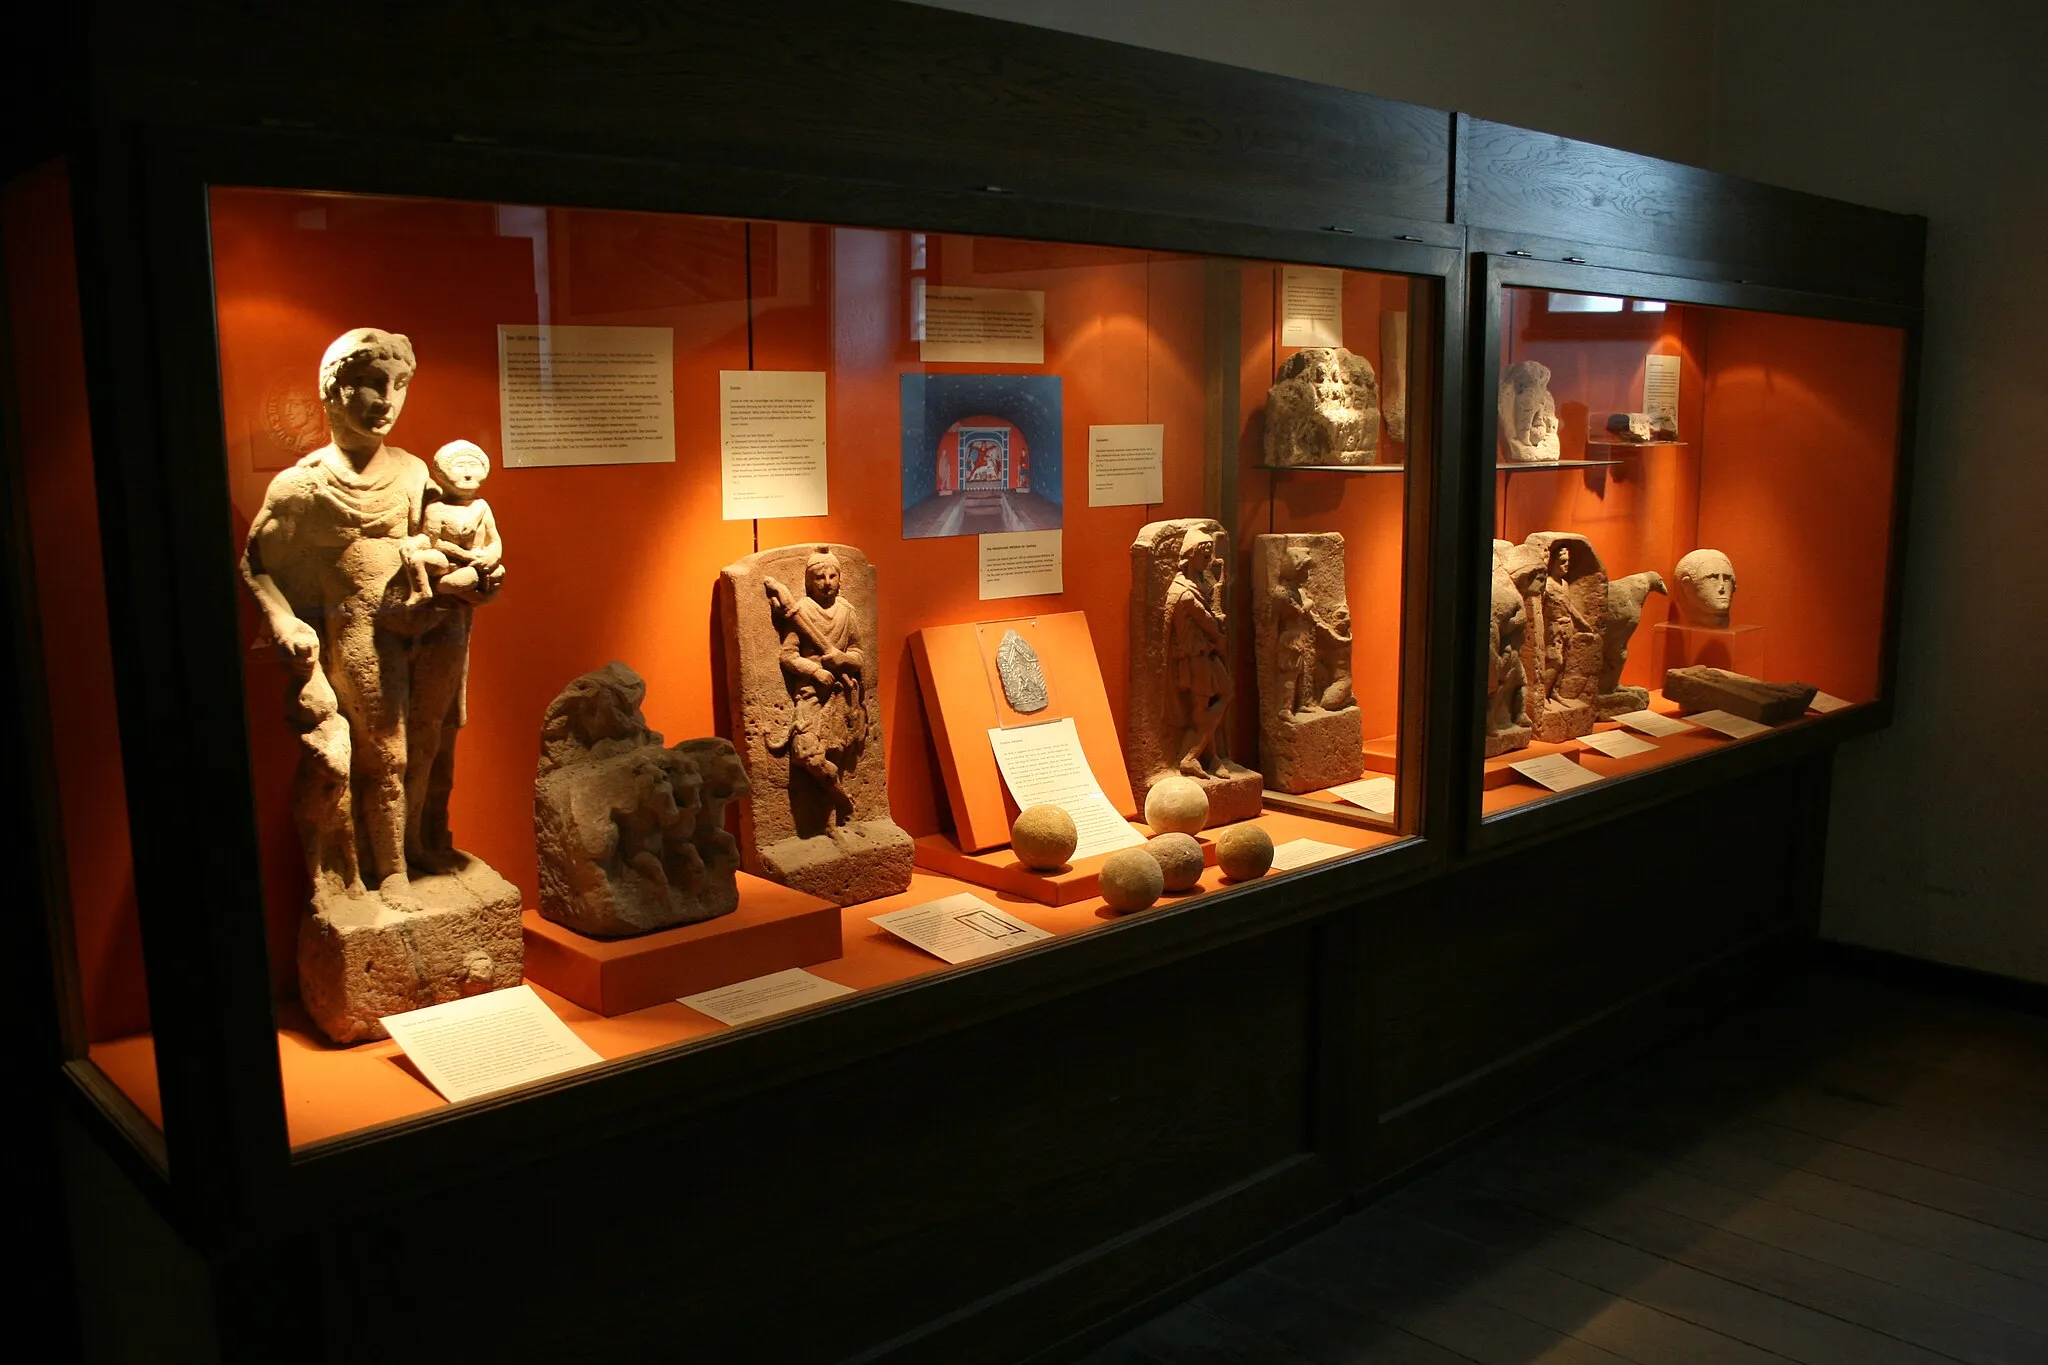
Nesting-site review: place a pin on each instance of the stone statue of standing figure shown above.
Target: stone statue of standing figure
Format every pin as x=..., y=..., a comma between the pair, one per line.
x=379, y=681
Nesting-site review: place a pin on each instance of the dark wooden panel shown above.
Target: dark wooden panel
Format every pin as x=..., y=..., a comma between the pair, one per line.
x=860, y=90
x=1496, y=957
x=1574, y=198
x=824, y=1218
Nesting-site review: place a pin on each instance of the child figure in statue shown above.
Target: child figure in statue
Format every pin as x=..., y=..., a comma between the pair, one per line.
x=457, y=551
x=822, y=661
x=1195, y=617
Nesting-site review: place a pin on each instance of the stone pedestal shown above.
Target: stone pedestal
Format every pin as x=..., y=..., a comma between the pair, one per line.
x=360, y=960
x=1310, y=750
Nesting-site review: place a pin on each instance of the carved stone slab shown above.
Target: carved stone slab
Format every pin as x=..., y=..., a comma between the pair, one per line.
x=1156, y=738
x=1507, y=693
x=1323, y=408
x=1310, y=730
x=360, y=960
x=1023, y=680
x=1716, y=689
x=630, y=835
x=833, y=840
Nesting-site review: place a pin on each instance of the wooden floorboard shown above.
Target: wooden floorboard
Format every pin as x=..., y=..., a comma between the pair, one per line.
x=1850, y=1170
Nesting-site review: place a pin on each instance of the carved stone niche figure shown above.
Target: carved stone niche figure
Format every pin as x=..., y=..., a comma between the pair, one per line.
x=1528, y=413
x=631, y=835
x=1517, y=576
x=803, y=687
x=1324, y=408
x=1706, y=588
x=1625, y=598
x=1394, y=360
x=1310, y=729
x=378, y=677
x=1181, y=684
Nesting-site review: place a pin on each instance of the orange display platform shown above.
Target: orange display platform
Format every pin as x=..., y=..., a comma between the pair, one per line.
x=1501, y=771
x=774, y=929
x=999, y=870
x=956, y=672
x=1379, y=755
x=330, y=1091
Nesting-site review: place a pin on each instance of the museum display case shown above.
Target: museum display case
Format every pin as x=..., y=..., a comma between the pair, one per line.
x=1692, y=510
x=895, y=534
x=810, y=543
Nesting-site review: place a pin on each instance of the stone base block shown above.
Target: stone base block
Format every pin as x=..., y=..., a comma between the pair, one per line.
x=1234, y=794
x=1563, y=720
x=1306, y=751
x=1621, y=701
x=360, y=959
x=863, y=861
x=1508, y=741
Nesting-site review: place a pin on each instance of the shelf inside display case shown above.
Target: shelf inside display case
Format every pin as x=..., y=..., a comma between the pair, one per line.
x=332, y=1091
x=1331, y=468
x=1527, y=466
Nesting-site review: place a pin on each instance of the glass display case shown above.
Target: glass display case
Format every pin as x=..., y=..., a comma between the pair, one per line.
x=767, y=573
x=1692, y=514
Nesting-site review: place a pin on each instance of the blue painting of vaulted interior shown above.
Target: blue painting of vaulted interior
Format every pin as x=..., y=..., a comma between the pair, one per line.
x=981, y=452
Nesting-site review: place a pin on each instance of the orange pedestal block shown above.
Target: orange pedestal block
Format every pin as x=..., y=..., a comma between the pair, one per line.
x=775, y=928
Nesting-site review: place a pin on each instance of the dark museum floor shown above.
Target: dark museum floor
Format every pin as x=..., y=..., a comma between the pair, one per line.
x=1851, y=1170
x=937, y=516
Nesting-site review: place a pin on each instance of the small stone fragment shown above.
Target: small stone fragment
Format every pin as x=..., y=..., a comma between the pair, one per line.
x=1180, y=860
x=1043, y=838
x=1244, y=852
x=1131, y=880
x=1716, y=689
x=1023, y=680
x=1177, y=805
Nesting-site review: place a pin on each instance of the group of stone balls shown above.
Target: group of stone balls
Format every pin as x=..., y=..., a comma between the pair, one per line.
x=1132, y=879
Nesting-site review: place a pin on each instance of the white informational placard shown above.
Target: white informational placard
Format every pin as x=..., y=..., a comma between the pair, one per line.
x=1376, y=794
x=1021, y=564
x=985, y=326
x=1126, y=464
x=1556, y=772
x=1729, y=724
x=486, y=1043
x=1311, y=306
x=959, y=928
x=1617, y=744
x=1651, y=723
x=1044, y=765
x=586, y=395
x=775, y=993
x=1825, y=702
x=1660, y=388
x=1299, y=853
x=771, y=443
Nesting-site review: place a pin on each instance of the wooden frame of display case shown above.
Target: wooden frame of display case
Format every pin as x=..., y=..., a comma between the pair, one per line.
x=1492, y=275
x=1304, y=1042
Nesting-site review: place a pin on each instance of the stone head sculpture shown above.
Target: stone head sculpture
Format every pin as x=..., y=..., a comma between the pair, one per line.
x=1706, y=587
x=1528, y=412
x=1197, y=552
x=364, y=375
x=821, y=577
x=460, y=468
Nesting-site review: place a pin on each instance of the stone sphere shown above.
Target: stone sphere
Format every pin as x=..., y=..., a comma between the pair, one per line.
x=1180, y=859
x=1131, y=880
x=1244, y=852
x=1043, y=838
x=1176, y=805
